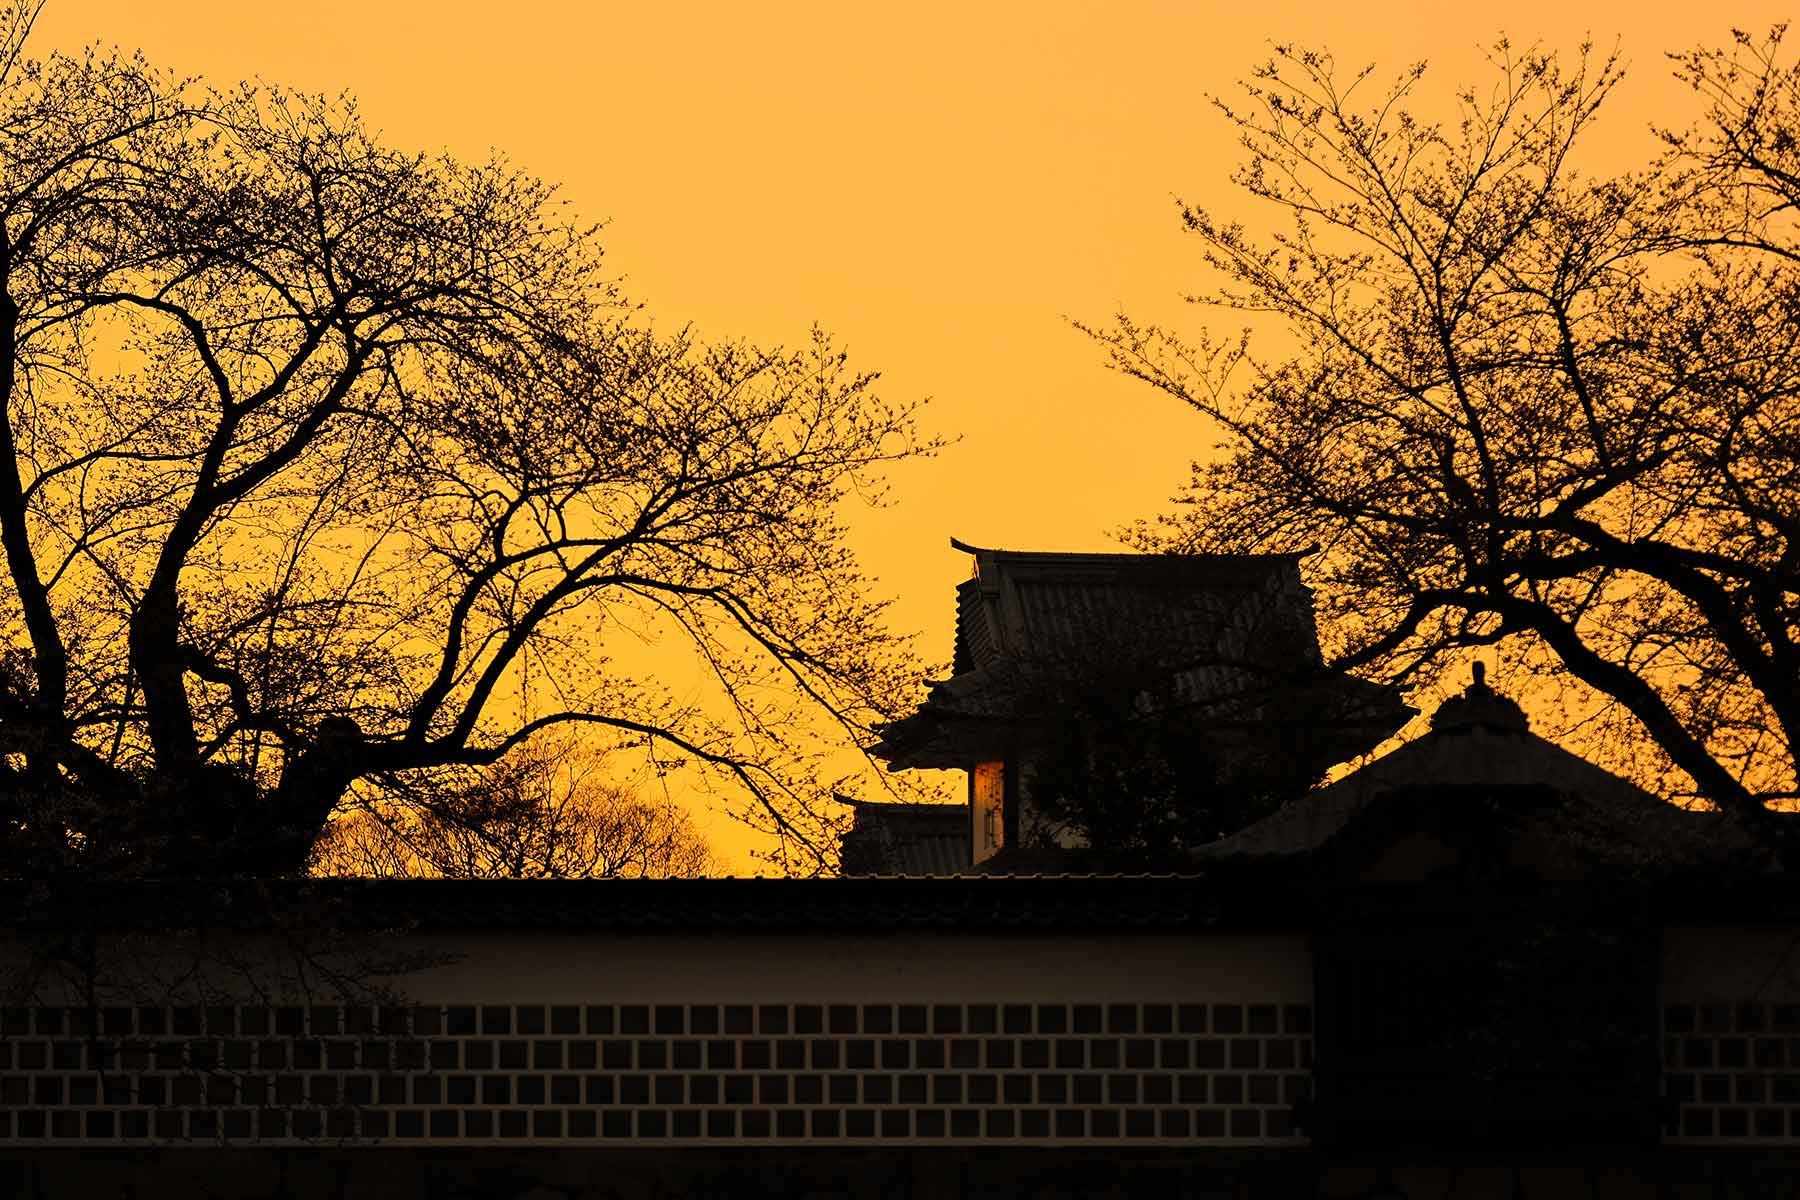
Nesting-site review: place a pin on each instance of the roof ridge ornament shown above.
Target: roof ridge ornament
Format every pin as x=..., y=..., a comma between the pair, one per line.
x=1480, y=706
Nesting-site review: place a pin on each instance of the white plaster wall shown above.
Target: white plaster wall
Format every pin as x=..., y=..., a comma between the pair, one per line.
x=527, y=967
x=897, y=967
x=1730, y=963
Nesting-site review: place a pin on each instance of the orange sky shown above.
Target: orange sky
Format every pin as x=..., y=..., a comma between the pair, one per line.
x=938, y=184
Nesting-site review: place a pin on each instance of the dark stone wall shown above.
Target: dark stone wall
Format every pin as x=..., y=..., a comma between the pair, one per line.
x=579, y=1174
x=893, y=1174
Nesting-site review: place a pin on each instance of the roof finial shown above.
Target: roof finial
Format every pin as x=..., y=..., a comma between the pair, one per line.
x=1480, y=705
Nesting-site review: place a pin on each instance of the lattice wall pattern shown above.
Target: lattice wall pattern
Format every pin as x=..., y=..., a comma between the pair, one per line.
x=654, y=1074
x=1731, y=1072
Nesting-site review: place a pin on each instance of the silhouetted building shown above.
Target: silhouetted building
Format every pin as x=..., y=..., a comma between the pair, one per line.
x=1494, y=922
x=1225, y=641
x=1478, y=966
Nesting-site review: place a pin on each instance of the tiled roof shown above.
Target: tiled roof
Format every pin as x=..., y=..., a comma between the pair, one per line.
x=1211, y=632
x=1174, y=612
x=868, y=903
x=907, y=839
x=1480, y=745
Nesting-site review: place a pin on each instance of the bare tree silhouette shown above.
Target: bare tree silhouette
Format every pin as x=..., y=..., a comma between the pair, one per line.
x=1525, y=406
x=313, y=448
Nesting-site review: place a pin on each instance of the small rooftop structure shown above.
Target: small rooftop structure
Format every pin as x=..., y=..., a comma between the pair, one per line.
x=906, y=839
x=1480, y=761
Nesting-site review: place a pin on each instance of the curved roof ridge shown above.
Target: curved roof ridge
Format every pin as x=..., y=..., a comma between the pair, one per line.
x=1112, y=556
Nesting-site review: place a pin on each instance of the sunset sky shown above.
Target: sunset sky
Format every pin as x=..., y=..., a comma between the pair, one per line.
x=942, y=186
